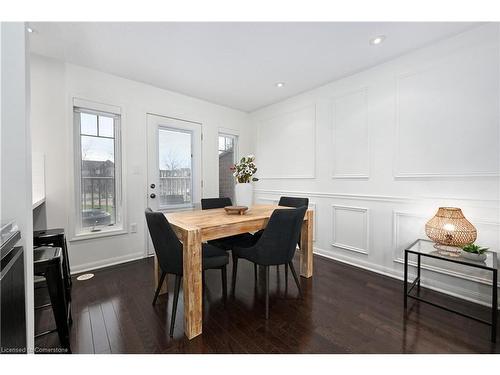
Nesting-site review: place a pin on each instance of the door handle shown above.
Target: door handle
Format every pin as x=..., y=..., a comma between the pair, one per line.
x=153, y=186
x=152, y=195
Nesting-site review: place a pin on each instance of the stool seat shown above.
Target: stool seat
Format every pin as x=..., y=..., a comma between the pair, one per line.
x=48, y=232
x=42, y=256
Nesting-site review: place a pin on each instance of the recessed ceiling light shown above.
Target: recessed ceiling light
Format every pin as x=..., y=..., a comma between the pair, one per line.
x=30, y=30
x=377, y=40
x=280, y=84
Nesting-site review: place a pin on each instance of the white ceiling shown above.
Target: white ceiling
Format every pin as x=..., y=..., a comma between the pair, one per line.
x=234, y=64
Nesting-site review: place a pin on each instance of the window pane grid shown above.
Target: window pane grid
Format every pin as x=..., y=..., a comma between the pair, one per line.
x=98, y=190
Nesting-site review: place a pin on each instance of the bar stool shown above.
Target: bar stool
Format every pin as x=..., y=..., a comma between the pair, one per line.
x=47, y=262
x=55, y=237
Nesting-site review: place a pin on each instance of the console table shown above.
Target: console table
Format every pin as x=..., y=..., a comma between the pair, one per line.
x=425, y=248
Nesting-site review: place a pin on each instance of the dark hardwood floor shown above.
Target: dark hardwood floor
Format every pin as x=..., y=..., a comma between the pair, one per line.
x=344, y=310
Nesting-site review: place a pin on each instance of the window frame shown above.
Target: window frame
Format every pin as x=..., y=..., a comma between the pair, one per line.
x=228, y=133
x=119, y=226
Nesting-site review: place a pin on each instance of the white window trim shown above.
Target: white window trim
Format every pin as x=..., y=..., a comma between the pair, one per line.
x=75, y=216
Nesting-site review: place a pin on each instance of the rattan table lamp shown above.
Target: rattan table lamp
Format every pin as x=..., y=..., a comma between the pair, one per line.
x=450, y=228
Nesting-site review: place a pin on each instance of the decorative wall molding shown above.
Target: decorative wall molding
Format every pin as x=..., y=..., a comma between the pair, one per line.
x=398, y=251
x=311, y=152
x=455, y=65
x=490, y=203
x=363, y=148
x=364, y=233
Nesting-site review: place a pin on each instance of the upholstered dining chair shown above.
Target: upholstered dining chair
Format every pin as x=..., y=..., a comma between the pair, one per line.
x=287, y=202
x=168, y=251
x=276, y=246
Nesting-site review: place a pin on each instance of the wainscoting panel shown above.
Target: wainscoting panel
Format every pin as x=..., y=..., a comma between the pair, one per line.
x=351, y=136
x=286, y=144
x=350, y=228
x=441, y=109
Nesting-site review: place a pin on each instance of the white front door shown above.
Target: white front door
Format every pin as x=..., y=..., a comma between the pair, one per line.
x=174, y=164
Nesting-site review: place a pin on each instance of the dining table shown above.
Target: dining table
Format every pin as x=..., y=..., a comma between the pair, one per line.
x=194, y=227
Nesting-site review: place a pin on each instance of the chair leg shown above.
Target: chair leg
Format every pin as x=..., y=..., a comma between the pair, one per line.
x=235, y=270
x=255, y=272
x=178, y=279
x=267, y=292
x=292, y=268
x=224, y=283
x=160, y=283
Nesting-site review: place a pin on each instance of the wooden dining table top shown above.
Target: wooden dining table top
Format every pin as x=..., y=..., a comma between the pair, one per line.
x=218, y=216
x=216, y=222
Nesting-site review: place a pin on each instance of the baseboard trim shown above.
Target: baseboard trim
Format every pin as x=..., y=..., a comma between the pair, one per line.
x=465, y=295
x=91, y=266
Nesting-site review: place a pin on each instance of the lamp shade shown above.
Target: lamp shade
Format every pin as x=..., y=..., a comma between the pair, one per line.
x=450, y=227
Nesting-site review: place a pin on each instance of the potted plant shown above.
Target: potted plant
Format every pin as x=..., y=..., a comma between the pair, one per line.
x=474, y=252
x=243, y=172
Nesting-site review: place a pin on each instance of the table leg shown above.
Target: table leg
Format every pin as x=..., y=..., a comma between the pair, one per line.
x=192, y=283
x=494, y=307
x=418, y=272
x=306, y=246
x=157, y=276
x=405, y=288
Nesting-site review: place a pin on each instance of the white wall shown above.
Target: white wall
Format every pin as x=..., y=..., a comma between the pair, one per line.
x=387, y=146
x=54, y=84
x=16, y=150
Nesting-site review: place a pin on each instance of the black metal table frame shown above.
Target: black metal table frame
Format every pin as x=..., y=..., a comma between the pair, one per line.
x=407, y=291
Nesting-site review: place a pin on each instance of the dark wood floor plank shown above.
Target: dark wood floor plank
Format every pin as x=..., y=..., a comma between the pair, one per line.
x=84, y=343
x=99, y=334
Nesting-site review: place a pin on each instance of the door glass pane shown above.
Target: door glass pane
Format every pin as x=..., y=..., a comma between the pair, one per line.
x=226, y=161
x=175, y=172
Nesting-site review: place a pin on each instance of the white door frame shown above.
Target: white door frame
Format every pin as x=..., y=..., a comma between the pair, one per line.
x=154, y=123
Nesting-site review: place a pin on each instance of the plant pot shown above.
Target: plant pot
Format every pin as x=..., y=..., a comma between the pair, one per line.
x=244, y=194
x=473, y=256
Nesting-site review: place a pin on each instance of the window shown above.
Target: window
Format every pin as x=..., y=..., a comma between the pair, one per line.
x=98, y=171
x=227, y=158
x=175, y=168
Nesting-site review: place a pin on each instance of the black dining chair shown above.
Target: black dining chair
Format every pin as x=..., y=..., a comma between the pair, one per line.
x=169, y=251
x=228, y=243
x=276, y=246
x=210, y=203
x=294, y=202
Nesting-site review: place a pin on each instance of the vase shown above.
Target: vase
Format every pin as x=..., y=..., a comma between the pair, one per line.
x=244, y=194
